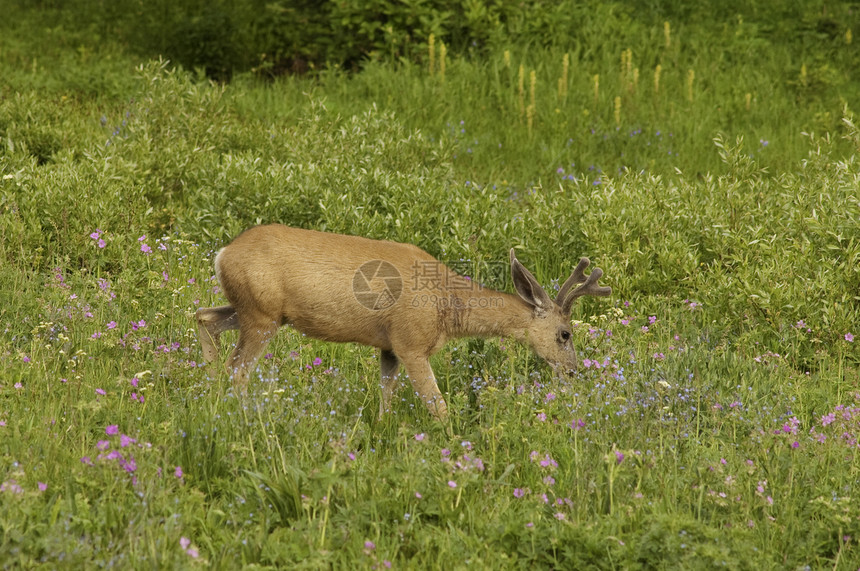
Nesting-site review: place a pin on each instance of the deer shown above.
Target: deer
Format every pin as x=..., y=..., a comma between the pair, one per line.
x=389, y=295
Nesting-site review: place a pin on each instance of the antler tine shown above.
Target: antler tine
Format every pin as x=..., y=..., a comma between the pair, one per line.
x=577, y=277
x=589, y=287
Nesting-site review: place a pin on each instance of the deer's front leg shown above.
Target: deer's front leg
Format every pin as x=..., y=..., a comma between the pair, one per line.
x=424, y=384
x=389, y=365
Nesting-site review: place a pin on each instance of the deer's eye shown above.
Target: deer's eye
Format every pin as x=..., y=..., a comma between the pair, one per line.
x=564, y=336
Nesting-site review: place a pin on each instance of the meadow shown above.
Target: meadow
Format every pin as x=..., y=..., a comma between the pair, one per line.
x=714, y=421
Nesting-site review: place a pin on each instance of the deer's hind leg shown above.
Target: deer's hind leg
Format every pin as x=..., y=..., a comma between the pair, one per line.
x=255, y=332
x=211, y=322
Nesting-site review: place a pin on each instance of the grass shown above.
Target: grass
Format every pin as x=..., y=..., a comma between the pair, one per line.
x=715, y=419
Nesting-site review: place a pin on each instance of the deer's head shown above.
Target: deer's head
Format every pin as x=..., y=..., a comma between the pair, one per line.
x=548, y=332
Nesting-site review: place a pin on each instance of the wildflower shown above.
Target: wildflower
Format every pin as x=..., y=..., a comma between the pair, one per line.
x=619, y=456
x=317, y=362
x=452, y=484
x=420, y=436
x=549, y=481
x=145, y=249
x=95, y=235
x=418, y=495
x=577, y=424
x=519, y=492
x=549, y=397
x=541, y=416
x=101, y=243
x=86, y=460
x=369, y=545
x=19, y=386
x=103, y=445
x=125, y=440
x=178, y=472
x=42, y=486
x=111, y=325
x=849, y=337
x=101, y=392
x=112, y=429
x=530, y=524
x=559, y=516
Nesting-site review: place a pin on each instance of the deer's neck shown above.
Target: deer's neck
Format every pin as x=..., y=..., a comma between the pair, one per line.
x=482, y=312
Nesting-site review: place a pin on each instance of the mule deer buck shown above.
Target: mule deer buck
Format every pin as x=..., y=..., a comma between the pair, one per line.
x=389, y=295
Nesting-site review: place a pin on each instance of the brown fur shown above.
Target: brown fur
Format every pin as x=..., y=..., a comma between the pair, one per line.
x=333, y=287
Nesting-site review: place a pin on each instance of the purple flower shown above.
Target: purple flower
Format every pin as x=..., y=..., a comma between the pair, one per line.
x=112, y=429
x=125, y=440
x=178, y=472
x=145, y=249
x=103, y=445
x=619, y=456
x=519, y=492
x=42, y=486
x=452, y=484
x=849, y=337
x=369, y=545
x=101, y=243
x=420, y=436
x=577, y=424
x=101, y=392
x=95, y=235
x=111, y=325
x=317, y=362
x=86, y=460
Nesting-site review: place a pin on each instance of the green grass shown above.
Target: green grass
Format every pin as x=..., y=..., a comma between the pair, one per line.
x=715, y=423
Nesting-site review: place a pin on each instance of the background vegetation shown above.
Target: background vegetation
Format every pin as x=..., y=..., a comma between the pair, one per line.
x=704, y=156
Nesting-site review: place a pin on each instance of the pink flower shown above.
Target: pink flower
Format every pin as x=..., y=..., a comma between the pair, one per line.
x=849, y=337
x=420, y=436
x=178, y=472
x=145, y=249
x=619, y=456
x=519, y=492
x=111, y=325
x=101, y=392
x=112, y=429
x=42, y=486
x=452, y=484
x=369, y=545
x=317, y=362
x=125, y=440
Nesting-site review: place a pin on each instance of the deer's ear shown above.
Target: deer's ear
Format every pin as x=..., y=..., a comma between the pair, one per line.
x=528, y=287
